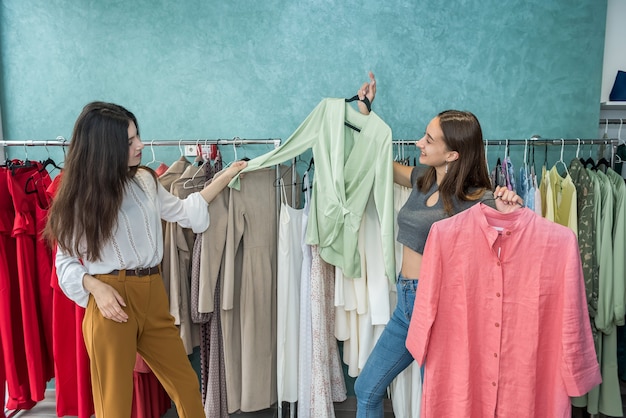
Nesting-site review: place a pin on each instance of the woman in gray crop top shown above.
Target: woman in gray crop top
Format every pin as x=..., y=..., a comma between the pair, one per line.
x=452, y=177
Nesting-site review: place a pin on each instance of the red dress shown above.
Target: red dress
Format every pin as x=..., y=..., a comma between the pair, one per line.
x=71, y=362
x=11, y=334
x=26, y=187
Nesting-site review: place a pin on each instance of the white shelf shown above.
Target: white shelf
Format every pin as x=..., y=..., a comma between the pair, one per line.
x=613, y=105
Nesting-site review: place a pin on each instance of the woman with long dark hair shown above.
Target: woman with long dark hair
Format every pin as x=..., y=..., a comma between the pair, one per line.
x=452, y=176
x=106, y=223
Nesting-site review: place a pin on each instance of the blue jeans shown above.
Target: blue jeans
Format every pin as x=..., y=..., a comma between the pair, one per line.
x=389, y=357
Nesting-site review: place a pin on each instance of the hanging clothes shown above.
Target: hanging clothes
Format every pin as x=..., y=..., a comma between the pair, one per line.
x=288, y=298
x=525, y=186
x=27, y=188
x=349, y=165
x=560, y=199
x=173, y=173
x=539, y=202
x=585, y=207
x=150, y=400
x=305, y=330
x=71, y=361
x=248, y=298
x=181, y=241
x=206, y=302
x=605, y=398
x=619, y=239
x=11, y=327
x=362, y=305
x=327, y=383
x=3, y=383
x=542, y=192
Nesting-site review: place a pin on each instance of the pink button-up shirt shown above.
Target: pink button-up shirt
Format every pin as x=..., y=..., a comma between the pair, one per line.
x=500, y=318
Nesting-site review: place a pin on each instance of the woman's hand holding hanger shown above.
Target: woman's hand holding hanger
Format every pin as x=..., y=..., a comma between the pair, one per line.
x=367, y=90
x=507, y=200
x=221, y=181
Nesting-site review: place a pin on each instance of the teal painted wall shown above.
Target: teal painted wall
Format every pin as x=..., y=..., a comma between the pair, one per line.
x=219, y=69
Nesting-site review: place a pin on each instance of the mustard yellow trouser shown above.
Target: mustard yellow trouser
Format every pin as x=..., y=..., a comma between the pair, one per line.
x=149, y=331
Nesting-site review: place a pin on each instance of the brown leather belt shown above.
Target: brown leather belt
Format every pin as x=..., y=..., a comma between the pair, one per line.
x=138, y=271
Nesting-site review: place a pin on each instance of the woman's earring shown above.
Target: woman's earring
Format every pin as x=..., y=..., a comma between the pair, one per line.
x=446, y=168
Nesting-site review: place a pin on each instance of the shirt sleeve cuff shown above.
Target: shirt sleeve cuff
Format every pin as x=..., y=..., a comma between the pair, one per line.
x=70, y=274
x=198, y=213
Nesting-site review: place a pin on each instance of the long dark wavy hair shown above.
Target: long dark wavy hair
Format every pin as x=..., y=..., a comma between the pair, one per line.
x=95, y=173
x=467, y=177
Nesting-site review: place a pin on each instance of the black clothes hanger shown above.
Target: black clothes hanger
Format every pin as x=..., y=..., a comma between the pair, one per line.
x=349, y=125
x=308, y=169
x=498, y=180
x=368, y=104
x=311, y=164
x=588, y=163
x=602, y=165
x=14, y=166
x=365, y=100
x=48, y=161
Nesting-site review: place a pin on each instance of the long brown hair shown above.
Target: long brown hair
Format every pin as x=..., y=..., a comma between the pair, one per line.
x=95, y=173
x=467, y=177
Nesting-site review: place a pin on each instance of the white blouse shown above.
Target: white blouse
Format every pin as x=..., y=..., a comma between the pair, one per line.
x=137, y=240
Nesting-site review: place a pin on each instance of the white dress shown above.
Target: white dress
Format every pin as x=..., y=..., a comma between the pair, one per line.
x=289, y=270
x=305, y=333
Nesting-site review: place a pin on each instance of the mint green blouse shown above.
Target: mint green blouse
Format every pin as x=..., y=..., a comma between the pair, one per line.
x=349, y=165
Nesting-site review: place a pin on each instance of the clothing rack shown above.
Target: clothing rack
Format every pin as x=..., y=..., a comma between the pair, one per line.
x=62, y=142
x=611, y=121
x=537, y=140
x=533, y=140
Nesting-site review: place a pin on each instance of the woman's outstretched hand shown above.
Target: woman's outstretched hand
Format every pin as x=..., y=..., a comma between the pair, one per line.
x=220, y=181
x=236, y=167
x=368, y=89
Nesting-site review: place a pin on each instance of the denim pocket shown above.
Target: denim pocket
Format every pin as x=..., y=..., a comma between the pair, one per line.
x=406, y=296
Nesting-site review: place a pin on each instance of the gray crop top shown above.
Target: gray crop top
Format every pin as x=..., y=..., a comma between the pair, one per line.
x=415, y=217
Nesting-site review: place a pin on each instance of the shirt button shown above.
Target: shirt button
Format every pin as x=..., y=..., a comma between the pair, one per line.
x=498, y=263
x=498, y=294
x=495, y=355
x=493, y=383
x=508, y=232
x=497, y=325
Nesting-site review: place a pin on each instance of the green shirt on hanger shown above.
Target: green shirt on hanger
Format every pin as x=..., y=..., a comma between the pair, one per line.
x=349, y=165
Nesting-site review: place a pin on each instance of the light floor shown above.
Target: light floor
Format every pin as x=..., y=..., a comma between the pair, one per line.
x=347, y=409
